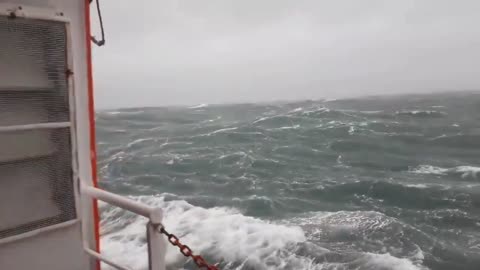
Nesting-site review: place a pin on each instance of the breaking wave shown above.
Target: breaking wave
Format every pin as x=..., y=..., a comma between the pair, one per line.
x=419, y=113
x=239, y=242
x=199, y=106
x=465, y=172
x=344, y=184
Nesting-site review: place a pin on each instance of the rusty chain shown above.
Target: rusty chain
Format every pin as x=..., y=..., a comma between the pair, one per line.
x=186, y=250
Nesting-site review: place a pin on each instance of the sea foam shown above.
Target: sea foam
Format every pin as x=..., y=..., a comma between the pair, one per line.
x=464, y=171
x=223, y=235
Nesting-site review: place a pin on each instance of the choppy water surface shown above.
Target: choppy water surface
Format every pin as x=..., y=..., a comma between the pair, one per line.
x=374, y=183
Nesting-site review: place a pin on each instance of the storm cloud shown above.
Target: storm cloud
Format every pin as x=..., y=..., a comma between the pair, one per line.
x=179, y=52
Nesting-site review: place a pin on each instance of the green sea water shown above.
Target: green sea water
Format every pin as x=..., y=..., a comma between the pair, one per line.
x=371, y=183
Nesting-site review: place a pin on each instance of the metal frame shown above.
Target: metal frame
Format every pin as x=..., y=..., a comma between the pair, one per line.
x=32, y=12
x=102, y=258
x=54, y=125
x=39, y=13
x=156, y=243
x=82, y=192
x=38, y=231
x=72, y=111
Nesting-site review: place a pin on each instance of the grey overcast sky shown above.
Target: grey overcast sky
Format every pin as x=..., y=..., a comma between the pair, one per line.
x=181, y=52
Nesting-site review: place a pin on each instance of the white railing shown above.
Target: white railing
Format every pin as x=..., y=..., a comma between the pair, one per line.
x=49, y=125
x=156, y=244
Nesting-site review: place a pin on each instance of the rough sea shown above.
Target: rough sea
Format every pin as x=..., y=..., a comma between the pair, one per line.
x=382, y=183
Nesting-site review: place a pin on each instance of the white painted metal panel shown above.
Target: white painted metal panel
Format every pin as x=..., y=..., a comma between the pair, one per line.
x=60, y=247
x=35, y=162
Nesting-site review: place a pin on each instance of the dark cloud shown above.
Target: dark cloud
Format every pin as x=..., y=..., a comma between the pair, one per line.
x=188, y=52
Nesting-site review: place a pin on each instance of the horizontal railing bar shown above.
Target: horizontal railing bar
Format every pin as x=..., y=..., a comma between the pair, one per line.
x=104, y=259
x=34, y=126
x=38, y=231
x=119, y=201
x=154, y=215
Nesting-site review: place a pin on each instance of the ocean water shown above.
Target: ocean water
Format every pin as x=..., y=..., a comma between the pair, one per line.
x=373, y=183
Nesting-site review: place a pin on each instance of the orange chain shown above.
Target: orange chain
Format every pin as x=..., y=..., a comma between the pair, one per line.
x=187, y=251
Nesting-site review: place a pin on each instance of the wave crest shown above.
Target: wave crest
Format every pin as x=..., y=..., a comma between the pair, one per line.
x=464, y=171
x=221, y=234
x=420, y=113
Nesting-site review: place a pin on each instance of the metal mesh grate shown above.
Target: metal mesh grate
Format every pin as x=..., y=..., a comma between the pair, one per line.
x=36, y=179
x=33, y=69
x=37, y=191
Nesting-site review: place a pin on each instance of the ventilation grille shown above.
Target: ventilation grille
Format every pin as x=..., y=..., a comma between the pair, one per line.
x=36, y=180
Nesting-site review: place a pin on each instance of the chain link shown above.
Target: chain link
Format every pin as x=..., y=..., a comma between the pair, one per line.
x=187, y=251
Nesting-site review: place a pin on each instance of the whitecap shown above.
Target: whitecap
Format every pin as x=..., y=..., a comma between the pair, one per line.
x=211, y=120
x=261, y=119
x=351, y=130
x=299, y=109
x=321, y=110
x=113, y=112
x=242, y=242
x=421, y=113
x=137, y=141
x=387, y=261
x=286, y=127
x=468, y=171
x=464, y=171
x=438, y=137
x=203, y=105
x=124, y=112
x=371, y=112
x=429, y=169
x=239, y=153
x=416, y=185
x=221, y=233
x=222, y=130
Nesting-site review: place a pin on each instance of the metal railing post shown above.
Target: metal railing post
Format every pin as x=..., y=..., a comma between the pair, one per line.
x=157, y=246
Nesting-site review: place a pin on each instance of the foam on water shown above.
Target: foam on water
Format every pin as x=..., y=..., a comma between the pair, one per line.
x=420, y=113
x=387, y=261
x=371, y=112
x=316, y=110
x=239, y=242
x=141, y=140
x=124, y=112
x=222, y=234
x=203, y=105
x=464, y=171
x=261, y=119
x=417, y=185
x=468, y=171
x=220, y=131
x=296, y=110
x=286, y=127
x=429, y=169
x=389, y=183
